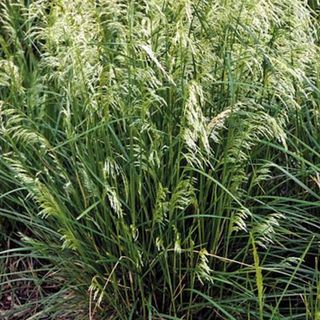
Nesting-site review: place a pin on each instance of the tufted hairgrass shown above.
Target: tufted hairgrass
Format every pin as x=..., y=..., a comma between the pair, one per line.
x=160, y=159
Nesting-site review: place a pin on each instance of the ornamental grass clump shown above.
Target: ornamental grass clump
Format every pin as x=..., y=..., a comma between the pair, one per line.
x=160, y=159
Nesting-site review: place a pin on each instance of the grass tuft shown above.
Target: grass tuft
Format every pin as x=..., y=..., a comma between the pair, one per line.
x=159, y=159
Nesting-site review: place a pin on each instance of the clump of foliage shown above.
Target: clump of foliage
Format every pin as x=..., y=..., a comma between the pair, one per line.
x=160, y=159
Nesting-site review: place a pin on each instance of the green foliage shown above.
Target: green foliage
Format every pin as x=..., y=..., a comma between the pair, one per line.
x=160, y=159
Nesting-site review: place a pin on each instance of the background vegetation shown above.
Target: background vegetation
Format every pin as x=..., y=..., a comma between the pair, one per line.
x=159, y=159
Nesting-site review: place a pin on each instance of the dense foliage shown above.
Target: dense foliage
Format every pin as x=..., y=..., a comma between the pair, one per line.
x=159, y=159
